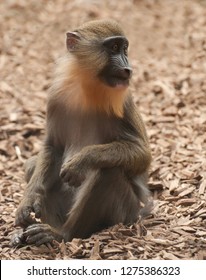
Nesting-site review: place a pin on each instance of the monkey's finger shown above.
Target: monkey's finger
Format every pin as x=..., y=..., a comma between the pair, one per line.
x=24, y=218
x=37, y=238
x=63, y=172
x=24, y=222
x=32, y=230
x=36, y=228
x=65, y=175
x=37, y=209
x=45, y=240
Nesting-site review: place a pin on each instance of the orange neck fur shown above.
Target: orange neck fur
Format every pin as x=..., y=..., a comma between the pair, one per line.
x=99, y=97
x=80, y=91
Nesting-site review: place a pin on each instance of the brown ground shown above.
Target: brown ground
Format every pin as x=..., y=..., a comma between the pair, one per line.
x=168, y=53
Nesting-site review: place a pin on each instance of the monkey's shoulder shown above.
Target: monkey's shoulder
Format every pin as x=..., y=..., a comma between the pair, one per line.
x=132, y=124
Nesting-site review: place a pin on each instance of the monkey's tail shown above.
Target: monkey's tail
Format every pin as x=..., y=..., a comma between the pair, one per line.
x=141, y=190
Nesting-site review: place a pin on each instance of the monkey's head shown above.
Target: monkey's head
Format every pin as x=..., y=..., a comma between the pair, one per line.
x=100, y=47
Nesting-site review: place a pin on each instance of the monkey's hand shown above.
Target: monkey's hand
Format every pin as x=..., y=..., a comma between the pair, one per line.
x=32, y=202
x=39, y=234
x=74, y=171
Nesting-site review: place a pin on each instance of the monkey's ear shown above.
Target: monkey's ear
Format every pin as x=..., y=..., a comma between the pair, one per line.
x=72, y=40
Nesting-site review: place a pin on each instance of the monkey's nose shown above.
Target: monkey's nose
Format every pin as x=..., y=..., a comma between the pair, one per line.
x=126, y=73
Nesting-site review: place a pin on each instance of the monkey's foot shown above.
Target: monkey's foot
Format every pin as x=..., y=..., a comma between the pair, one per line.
x=39, y=234
x=18, y=239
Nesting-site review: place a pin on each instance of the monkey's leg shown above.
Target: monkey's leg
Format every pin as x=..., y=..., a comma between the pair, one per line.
x=17, y=238
x=29, y=167
x=107, y=198
x=42, y=174
x=57, y=204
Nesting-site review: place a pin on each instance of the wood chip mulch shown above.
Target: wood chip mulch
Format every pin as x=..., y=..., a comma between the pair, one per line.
x=168, y=54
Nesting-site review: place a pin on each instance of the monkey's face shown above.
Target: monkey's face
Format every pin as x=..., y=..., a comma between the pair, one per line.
x=100, y=48
x=117, y=71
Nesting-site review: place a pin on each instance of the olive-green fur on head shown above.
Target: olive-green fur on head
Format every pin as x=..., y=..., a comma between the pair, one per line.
x=100, y=29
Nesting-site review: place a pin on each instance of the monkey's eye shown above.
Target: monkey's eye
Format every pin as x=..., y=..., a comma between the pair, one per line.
x=126, y=50
x=115, y=47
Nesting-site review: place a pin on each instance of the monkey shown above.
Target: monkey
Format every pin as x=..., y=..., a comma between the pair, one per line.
x=92, y=170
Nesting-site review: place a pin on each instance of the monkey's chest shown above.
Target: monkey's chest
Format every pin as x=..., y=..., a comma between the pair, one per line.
x=89, y=130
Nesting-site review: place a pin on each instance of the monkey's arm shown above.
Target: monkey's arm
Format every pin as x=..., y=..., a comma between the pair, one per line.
x=133, y=157
x=32, y=198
